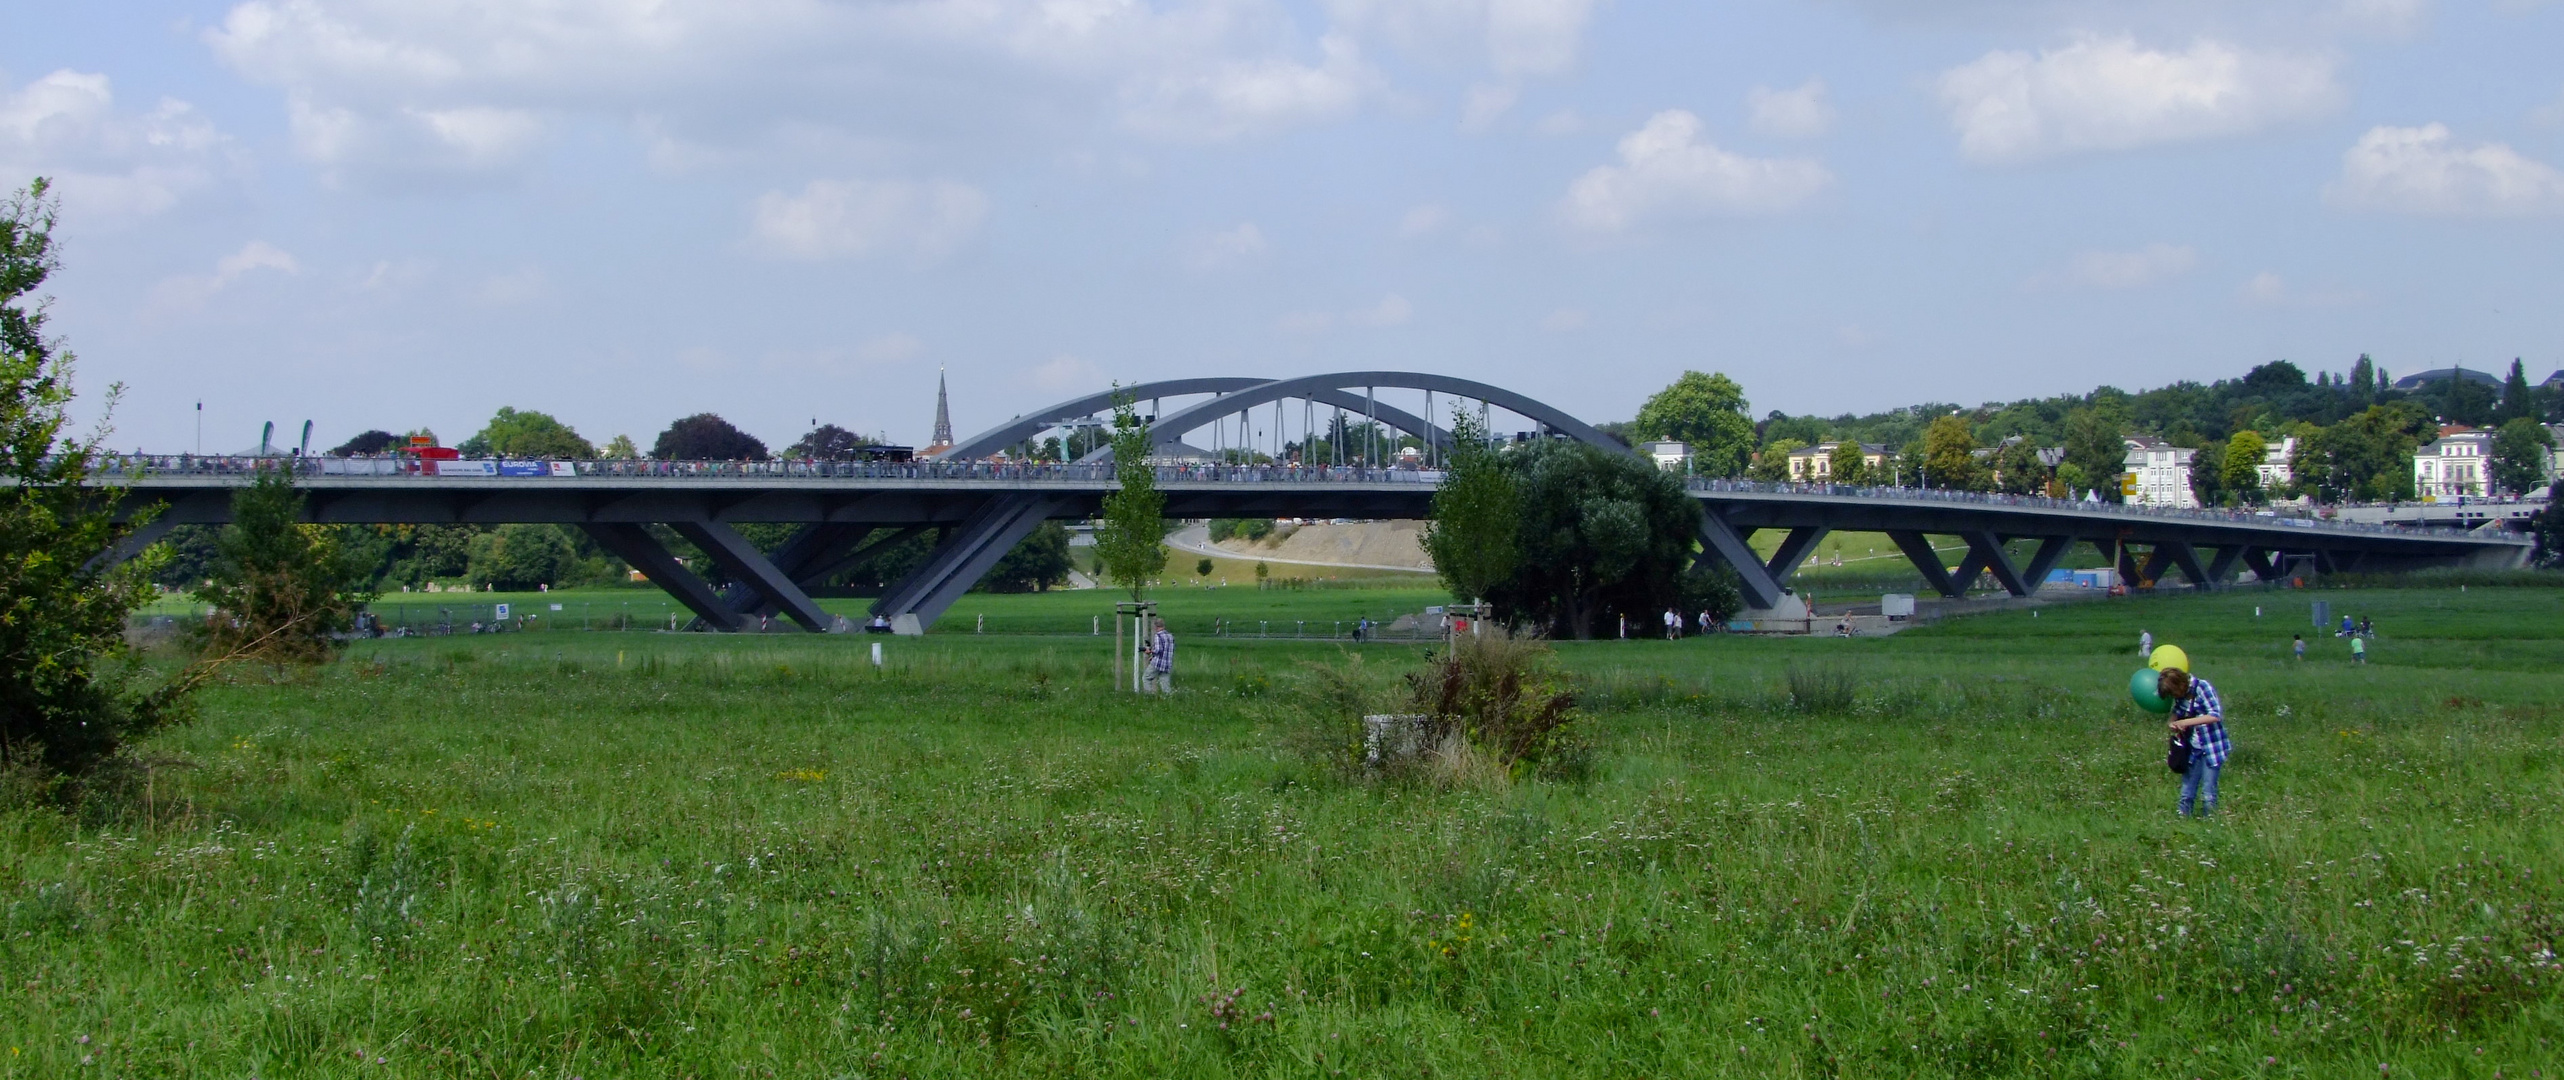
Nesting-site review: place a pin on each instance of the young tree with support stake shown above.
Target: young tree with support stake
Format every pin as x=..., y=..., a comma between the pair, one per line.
x=1130, y=542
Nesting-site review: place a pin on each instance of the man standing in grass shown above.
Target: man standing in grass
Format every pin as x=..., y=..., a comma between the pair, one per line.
x=2359, y=650
x=2197, y=712
x=1160, y=676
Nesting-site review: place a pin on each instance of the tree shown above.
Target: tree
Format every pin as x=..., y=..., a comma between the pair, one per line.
x=1772, y=465
x=1037, y=562
x=2242, y=467
x=67, y=701
x=2018, y=470
x=2096, y=445
x=2208, y=474
x=1477, y=513
x=2548, y=528
x=1131, y=542
x=1202, y=568
x=1949, y=455
x=828, y=442
x=706, y=437
x=1705, y=413
x=1601, y=535
x=2368, y=457
x=521, y=557
x=527, y=434
x=2520, y=454
x=1850, y=463
x=371, y=442
x=281, y=590
x=620, y=448
x=2519, y=401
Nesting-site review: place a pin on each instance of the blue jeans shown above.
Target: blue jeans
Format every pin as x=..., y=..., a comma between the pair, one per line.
x=2199, y=785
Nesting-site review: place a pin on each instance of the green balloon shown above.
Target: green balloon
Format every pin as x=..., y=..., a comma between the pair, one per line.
x=2141, y=686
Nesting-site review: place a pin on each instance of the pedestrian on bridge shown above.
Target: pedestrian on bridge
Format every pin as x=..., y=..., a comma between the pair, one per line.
x=1159, y=678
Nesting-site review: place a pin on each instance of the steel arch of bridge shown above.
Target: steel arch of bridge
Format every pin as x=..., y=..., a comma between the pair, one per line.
x=1238, y=395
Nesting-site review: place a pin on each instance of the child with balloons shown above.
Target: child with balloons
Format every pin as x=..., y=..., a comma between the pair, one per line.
x=2199, y=746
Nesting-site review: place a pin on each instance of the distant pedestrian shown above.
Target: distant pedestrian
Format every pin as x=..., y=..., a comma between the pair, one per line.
x=2367, y=626
x=1160, y=676
x=2345, y=627
x=2301, y=646
x=1673, y=625
x=2145, y=643
x=2359, y=650
x=1704, y=623
x=2201, y=719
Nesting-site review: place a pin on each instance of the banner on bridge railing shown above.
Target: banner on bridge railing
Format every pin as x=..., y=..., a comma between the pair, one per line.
x=504, y=468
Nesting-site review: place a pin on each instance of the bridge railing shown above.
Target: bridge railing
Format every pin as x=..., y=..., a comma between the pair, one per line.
x=140, y=466
x=2042, y=502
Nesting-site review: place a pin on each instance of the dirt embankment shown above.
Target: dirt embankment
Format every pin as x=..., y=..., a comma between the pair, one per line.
x=1369, y=543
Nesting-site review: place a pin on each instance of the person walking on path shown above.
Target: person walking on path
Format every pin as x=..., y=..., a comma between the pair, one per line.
x=1160, y=676
x=2197, y=712
x=1673, y=625
x=2301, y=646
x=2359, y=650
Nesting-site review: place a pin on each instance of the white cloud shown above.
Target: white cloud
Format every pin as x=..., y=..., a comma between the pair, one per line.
x=1487, y=104
x=2422, y=170
x=388, y=88
x=521, y=286
x=1422, y=220
x=1666, y=170
x=890, y=349
x=1392, y=310
x=834, y=219
x=1228, y=247
x=2148, y=265
x=1065, y=374
x=2269, y=290
x=1565, y=319
x=1511, y=37
x=105, y=162
x=1802, y=113
x=188, y=293
x=2112, y=94
x=1245, y=97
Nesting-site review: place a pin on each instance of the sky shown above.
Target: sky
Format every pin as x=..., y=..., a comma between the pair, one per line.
x=408, y=213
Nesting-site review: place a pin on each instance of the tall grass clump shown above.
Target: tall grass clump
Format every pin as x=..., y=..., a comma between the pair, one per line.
x=1821, y=689
x=1500, y=696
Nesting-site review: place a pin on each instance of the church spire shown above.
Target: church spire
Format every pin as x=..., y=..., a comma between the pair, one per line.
x=943, y=412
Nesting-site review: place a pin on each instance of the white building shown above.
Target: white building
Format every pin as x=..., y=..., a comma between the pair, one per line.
x=2458, y=465
x=2274, y=470
x=2163, y=473
x=1815, y=464
x=1669, y=456
x=2555, y=454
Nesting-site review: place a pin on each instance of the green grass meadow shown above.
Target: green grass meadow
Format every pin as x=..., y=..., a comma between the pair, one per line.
x=629, y=854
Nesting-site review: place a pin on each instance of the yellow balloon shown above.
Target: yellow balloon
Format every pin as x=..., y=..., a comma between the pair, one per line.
x=2169, y=658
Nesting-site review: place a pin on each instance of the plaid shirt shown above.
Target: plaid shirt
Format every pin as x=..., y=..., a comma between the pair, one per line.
x=2208, y=739
x=1161, y=652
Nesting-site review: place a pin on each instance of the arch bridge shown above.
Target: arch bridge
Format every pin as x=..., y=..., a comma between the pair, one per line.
x=1221, y=450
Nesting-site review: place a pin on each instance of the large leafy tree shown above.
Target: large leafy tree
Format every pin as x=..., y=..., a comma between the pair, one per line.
x=282, y=591
x=67, y=701
x=1601, y=535
x=2368, y=457
x=828, y=442
x=2519, y=455
x=1477, y=513
x=376, y=441
x=1037, y=563
x=1707, y=414
x=706, y=437
x=1772, y=465
x=521, y=556
x=1131, y=543
x=2097, y=446
x=2242, y=466
x=1949, y=455
x=515, y=433
x=2018, y=470
x=1850, y=463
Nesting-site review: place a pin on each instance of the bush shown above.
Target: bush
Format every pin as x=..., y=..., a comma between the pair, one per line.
x=1503, y=695
x=282, y=591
